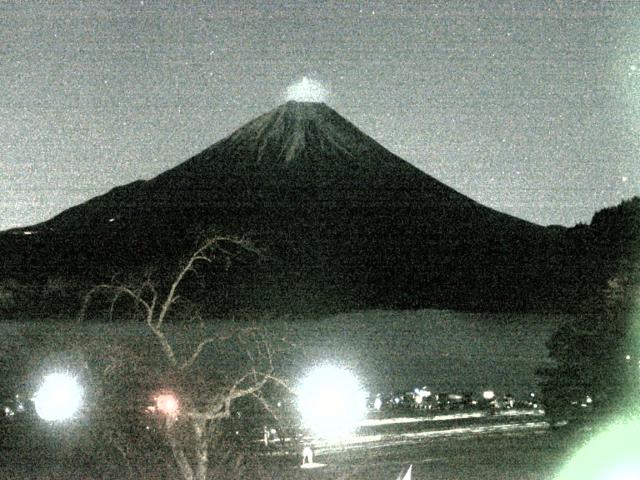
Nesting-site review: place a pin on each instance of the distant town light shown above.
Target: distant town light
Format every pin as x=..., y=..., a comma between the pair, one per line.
x=59, y=398
x=420, y=395
x=488, y=395
x=377, y=403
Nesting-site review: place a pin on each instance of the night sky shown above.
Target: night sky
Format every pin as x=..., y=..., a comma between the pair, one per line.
x=532, y=108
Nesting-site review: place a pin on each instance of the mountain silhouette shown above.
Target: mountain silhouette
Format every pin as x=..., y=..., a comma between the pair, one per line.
x=343, y=223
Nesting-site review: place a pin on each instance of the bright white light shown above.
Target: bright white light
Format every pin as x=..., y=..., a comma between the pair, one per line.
x=488, y=395
x=307, y=90
x=331, y=402
x=59, y=398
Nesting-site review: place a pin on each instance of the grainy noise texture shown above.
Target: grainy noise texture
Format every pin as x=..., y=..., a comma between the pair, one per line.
x=531, y=108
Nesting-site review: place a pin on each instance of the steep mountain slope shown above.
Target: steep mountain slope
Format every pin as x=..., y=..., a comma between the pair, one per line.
x=343, y=223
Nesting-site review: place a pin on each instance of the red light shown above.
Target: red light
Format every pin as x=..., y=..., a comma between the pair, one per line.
x=167, y=403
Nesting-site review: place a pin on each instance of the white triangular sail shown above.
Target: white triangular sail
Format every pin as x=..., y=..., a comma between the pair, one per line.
x=407, y=474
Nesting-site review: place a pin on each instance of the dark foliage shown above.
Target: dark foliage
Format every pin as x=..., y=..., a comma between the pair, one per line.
x=597, y=362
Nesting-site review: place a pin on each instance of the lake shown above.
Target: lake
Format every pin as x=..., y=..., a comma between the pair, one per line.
x=444, y=351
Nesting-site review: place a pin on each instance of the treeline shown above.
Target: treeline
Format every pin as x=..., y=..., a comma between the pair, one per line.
x=568, y=272
x=608, y=248
x=28, y=299
x=596, y=362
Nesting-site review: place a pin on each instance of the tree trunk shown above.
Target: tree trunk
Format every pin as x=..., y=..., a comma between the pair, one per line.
x=201, y=449
x=178, y=452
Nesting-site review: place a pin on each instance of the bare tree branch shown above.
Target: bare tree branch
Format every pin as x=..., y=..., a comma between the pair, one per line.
x=119, y=290
x=196, y=353
x=178, y=451
x=265, y=404
x=199, y=255
x=201, y=414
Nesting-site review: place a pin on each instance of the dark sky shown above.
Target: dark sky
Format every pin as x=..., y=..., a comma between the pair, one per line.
x=532, y=108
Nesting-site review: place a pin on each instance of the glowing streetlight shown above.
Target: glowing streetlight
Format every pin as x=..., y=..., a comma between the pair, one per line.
x=58, y=398
x=331, y=402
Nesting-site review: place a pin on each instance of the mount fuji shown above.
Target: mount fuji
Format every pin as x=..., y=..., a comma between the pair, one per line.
x=342, y=222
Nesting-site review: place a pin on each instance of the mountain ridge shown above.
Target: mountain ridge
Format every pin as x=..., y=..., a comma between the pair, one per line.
x=290, y=112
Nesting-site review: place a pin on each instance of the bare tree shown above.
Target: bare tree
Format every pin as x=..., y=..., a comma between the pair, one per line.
x=196, y=399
